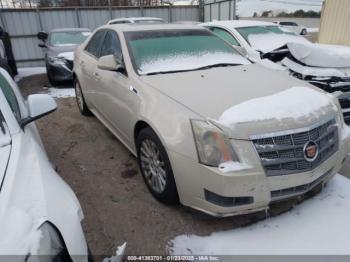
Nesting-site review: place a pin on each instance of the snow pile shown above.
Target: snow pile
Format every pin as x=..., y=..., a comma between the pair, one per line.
x=67, y=55
x=312, y=30
x=29, y=71
x=118, y=255
x=271, y=41
x=317, y=226
x=61, y=92
x=246, y=8
x=233, y=166
x=295, y=102
x=320, y=54
x=189, y=61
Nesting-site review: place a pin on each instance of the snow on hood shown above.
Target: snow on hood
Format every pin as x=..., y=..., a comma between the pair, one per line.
x=271, y=41
x=67, y=55
x=297, y=103
x=188, y=62
x=320, y=55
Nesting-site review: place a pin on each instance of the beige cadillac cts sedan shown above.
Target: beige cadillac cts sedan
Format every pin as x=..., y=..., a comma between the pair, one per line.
x=209, y=128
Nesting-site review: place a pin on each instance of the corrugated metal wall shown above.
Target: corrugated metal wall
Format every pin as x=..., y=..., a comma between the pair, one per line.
x=24, y=24
x=335, y=22
x=219, y=10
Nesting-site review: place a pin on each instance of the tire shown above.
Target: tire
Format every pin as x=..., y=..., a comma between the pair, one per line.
x=83, y=108
x=303, y=32
x=157, y=169
x=4, y=65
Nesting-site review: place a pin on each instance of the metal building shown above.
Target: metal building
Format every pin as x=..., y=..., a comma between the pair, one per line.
x=335, y=22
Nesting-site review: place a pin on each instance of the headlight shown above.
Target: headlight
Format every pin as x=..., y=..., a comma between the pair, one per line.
x=57, y=60
x=213, y=146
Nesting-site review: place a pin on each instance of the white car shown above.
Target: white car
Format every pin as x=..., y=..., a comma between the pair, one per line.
x=293, y=27
x=268, y=44
x=39, y=213
x=132, y=20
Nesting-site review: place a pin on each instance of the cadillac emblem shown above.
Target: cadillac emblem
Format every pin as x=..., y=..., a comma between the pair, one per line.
x=310, y=151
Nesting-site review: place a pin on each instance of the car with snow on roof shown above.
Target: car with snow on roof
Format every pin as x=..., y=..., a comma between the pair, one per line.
x=325, y=66
x=209, y=128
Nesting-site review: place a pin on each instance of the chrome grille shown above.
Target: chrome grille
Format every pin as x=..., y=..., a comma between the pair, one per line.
x=284, y=154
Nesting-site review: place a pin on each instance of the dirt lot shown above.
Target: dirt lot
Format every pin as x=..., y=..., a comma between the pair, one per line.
x=105, y=177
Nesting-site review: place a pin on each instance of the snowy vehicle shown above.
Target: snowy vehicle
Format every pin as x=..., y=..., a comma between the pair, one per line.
x=133, y=20
x=210, y=128
x=325, y=66
x=39, y=213
x=59, y=46
x=293, y=27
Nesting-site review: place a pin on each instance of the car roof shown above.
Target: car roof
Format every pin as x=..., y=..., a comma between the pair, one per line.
x=135, y=19
x=239, y=23
x=72, y=29
x=145, y=27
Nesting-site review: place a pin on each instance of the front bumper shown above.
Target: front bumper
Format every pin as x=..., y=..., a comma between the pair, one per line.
x=248, y=190
x=61, y=72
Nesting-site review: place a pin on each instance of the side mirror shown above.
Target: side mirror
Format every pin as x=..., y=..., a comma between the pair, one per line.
x=39, y=106
x=110, y=63
x=42, y=45
x=42, y=36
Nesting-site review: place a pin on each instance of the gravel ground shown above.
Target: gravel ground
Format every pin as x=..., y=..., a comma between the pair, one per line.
x=105, y=178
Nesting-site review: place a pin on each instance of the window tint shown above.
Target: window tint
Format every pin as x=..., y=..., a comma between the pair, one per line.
x=94, y=45
x=111, y=45
x=10, y=96
x=288, y=23
x=223, y=34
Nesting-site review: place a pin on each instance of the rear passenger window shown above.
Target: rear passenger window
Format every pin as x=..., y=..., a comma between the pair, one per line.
x=94, y=46
x=111, y=45
x=223, y=34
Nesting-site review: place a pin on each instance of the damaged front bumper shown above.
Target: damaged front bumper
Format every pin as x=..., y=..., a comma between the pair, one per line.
x=331, y=80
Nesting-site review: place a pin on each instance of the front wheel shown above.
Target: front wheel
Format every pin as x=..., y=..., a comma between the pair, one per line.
x=303, y=32
x=155, y=167
x=84, y=110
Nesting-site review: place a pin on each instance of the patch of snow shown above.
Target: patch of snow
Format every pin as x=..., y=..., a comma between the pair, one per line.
x=231, y=166
x=118, y=255
x=269, y=64
x=61, y=92
x=320, y=55
x=295, y=102
x=317, y=226
x=29, y=71
x=271, y=41
x=312, y=30
x=345, y=133
x=67, y=55
x=189, y=61
x=246, y=8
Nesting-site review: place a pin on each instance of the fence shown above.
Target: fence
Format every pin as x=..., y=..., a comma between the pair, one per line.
x=219, y=10
x=24, y=24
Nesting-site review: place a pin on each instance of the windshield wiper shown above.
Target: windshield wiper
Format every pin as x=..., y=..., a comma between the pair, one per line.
x=194, y=69
x=217, y=65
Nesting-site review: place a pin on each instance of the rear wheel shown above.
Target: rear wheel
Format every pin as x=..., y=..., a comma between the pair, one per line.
x=303, y=32
x=155, y=167
x=84, y=110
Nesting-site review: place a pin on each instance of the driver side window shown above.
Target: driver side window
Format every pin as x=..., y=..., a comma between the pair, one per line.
x=10, y=96
x=111, y=45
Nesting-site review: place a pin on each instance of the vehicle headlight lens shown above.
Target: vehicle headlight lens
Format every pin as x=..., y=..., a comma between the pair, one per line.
x=57, y=60
x=213, y=146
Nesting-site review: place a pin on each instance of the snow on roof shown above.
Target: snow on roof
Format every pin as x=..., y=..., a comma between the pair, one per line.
x=239, y=23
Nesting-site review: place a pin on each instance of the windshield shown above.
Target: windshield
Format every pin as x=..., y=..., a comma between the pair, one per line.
x=178, y=50
x=268, y=38
x=68, y=38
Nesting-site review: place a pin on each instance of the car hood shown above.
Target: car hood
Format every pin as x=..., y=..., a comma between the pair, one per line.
x=321, y=55
x=31, y=194
x=235, y=97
